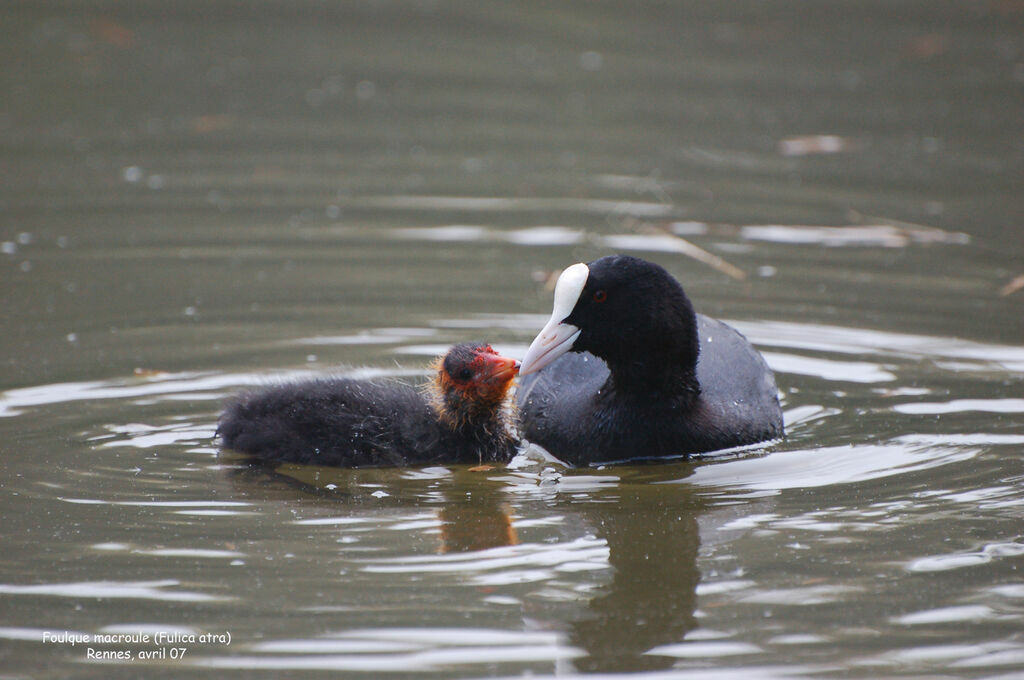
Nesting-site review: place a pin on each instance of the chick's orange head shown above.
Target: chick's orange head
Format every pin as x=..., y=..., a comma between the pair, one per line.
x=478, y=372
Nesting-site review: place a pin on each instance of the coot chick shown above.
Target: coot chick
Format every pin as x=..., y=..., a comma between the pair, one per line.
x=647, y=377
x=460, y=418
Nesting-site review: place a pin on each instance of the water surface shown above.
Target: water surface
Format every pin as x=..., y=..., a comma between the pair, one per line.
x=197, y=198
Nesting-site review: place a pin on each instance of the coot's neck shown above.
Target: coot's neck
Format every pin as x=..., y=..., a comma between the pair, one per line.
x=653, y=357
x=670, y=381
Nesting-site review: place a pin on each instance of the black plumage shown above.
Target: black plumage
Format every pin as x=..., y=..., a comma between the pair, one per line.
x=625, y=369
x=459, y=417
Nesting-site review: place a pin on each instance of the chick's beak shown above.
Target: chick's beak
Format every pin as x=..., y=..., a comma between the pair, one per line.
x=498, y=369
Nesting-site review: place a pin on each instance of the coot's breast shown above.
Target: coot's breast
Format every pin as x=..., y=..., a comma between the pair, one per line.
x=557, y=407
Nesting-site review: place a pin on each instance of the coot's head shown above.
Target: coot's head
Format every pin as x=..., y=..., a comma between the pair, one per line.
x=472, y=382
x=630, y=312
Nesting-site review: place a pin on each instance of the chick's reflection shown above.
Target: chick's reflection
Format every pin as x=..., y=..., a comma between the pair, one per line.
x=467, y=527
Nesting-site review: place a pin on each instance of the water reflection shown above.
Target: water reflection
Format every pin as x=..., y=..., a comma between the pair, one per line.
x=640, y=541
x=469, y=527
x=653, y=542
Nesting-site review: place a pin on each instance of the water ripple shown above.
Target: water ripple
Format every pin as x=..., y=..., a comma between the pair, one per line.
x=185, y=385
x=400, y=650
x=541, y=560
x=145, y=590
x=828, y=369
x=943, y=656
x=962, y=406
x=987, y=554
x=808, y=468
x=200, y=553
x=858, y=341
x=513, y=204
x=958, y=614
x=702, y=650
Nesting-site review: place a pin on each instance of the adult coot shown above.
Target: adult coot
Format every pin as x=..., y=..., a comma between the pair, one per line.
x=460, y=418
x=647, y=376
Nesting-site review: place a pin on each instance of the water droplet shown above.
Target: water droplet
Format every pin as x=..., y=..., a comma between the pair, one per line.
x=365, y=90
x=591, y=61
x=132, y=173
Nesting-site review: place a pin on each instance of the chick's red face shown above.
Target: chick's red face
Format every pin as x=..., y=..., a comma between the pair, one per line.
x=479, y=373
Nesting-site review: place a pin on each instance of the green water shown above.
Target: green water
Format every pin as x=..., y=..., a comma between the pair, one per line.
x=199, y=197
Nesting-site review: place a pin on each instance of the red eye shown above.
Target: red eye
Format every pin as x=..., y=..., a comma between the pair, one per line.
x=600, y=296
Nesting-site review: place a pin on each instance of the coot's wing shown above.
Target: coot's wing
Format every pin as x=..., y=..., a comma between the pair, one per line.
x=737, y=387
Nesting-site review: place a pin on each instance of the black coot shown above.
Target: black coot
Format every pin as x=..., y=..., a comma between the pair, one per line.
x=647, y=377
x=460, y=418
